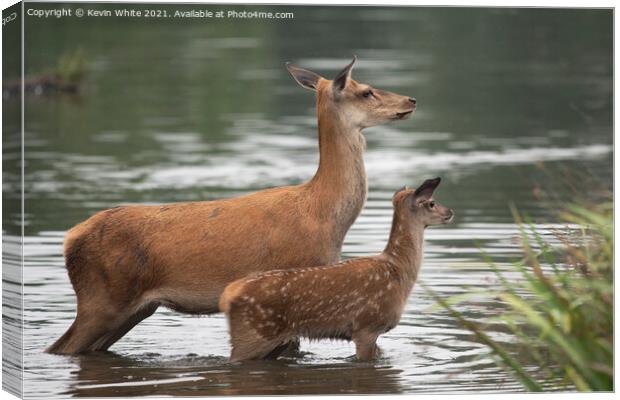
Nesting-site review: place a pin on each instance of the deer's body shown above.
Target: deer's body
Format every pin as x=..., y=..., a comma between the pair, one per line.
x=357, y=300
x=125, y=262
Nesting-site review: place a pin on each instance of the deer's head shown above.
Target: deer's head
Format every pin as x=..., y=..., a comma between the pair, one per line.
x=419, y=206
x=358, y=105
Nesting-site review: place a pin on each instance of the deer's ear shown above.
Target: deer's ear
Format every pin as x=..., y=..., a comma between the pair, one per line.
x=397, y=194
x=305, y=78
x=340, y=81
x=425, y=191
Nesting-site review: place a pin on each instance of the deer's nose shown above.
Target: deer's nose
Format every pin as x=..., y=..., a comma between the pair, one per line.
x=413, y=100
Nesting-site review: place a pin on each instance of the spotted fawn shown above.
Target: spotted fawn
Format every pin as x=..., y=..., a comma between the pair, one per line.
x=358, y=299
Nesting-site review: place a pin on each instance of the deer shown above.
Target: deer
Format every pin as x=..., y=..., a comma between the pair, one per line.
x=126, y=262
x=355, y=300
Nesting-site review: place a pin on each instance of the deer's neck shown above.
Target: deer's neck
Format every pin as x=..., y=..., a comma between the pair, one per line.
x=339, y=185
x=406, y=248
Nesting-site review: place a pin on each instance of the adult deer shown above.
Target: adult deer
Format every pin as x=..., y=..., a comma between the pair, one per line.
x=125, y=262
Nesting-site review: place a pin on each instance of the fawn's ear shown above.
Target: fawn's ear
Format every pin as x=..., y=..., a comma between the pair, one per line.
x=425, y=191
x=305, y=78
x=341, y=80
x=397, y=194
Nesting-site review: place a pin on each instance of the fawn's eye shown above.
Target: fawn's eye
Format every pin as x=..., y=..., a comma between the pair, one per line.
x=367, y=93
x=431, y=204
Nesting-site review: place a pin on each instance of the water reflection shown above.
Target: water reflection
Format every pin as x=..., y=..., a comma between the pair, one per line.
x=103, y=375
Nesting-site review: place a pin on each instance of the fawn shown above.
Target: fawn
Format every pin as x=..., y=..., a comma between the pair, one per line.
x=358, y=299
x=125, y=262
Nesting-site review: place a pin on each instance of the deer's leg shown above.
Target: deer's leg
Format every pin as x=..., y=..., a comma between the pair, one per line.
x=255, y=351
x=85, y=330
x=365, y=345
x=123, y=325
x=279, y=350
x=291, y=348
x=98, y=325
x=247, y=344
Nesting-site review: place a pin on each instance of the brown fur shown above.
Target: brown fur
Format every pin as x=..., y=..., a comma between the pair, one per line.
x=357, y=300
x=125, y=262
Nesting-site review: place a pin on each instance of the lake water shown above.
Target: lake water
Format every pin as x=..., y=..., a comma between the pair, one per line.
x=515, y=107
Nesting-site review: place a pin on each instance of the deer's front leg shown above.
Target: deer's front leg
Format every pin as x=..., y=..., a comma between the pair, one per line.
x=292, y=348
x=366, y=345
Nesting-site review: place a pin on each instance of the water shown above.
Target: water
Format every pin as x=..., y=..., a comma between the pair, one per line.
x=515, y=108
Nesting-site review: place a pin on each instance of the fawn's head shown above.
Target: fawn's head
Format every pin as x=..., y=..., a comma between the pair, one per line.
x=359, y=104
x=419, y=206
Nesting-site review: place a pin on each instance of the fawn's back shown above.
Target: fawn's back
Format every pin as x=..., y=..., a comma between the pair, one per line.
x=320, y=302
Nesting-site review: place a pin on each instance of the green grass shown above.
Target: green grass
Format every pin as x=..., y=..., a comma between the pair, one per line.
x=560, y=313
x=71, y=66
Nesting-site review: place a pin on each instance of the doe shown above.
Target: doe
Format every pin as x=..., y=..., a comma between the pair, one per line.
x=358, y=299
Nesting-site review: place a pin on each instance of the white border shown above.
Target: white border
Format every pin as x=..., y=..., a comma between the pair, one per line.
x=456, y=3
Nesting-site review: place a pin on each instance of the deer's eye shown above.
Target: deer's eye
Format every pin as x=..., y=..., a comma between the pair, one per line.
x=367, y=93
x=431, y=204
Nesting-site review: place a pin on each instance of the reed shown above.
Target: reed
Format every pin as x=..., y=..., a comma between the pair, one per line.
x=71, y=67
x=560, y=314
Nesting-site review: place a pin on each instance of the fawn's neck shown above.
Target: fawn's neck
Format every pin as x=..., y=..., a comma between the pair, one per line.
x=406, y=247
x=340, y=180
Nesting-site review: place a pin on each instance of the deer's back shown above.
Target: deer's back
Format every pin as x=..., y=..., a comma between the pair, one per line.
x=200, y=245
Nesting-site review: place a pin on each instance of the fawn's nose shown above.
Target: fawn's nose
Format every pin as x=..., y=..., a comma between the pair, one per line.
x=413, y=100
x=450, y=216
